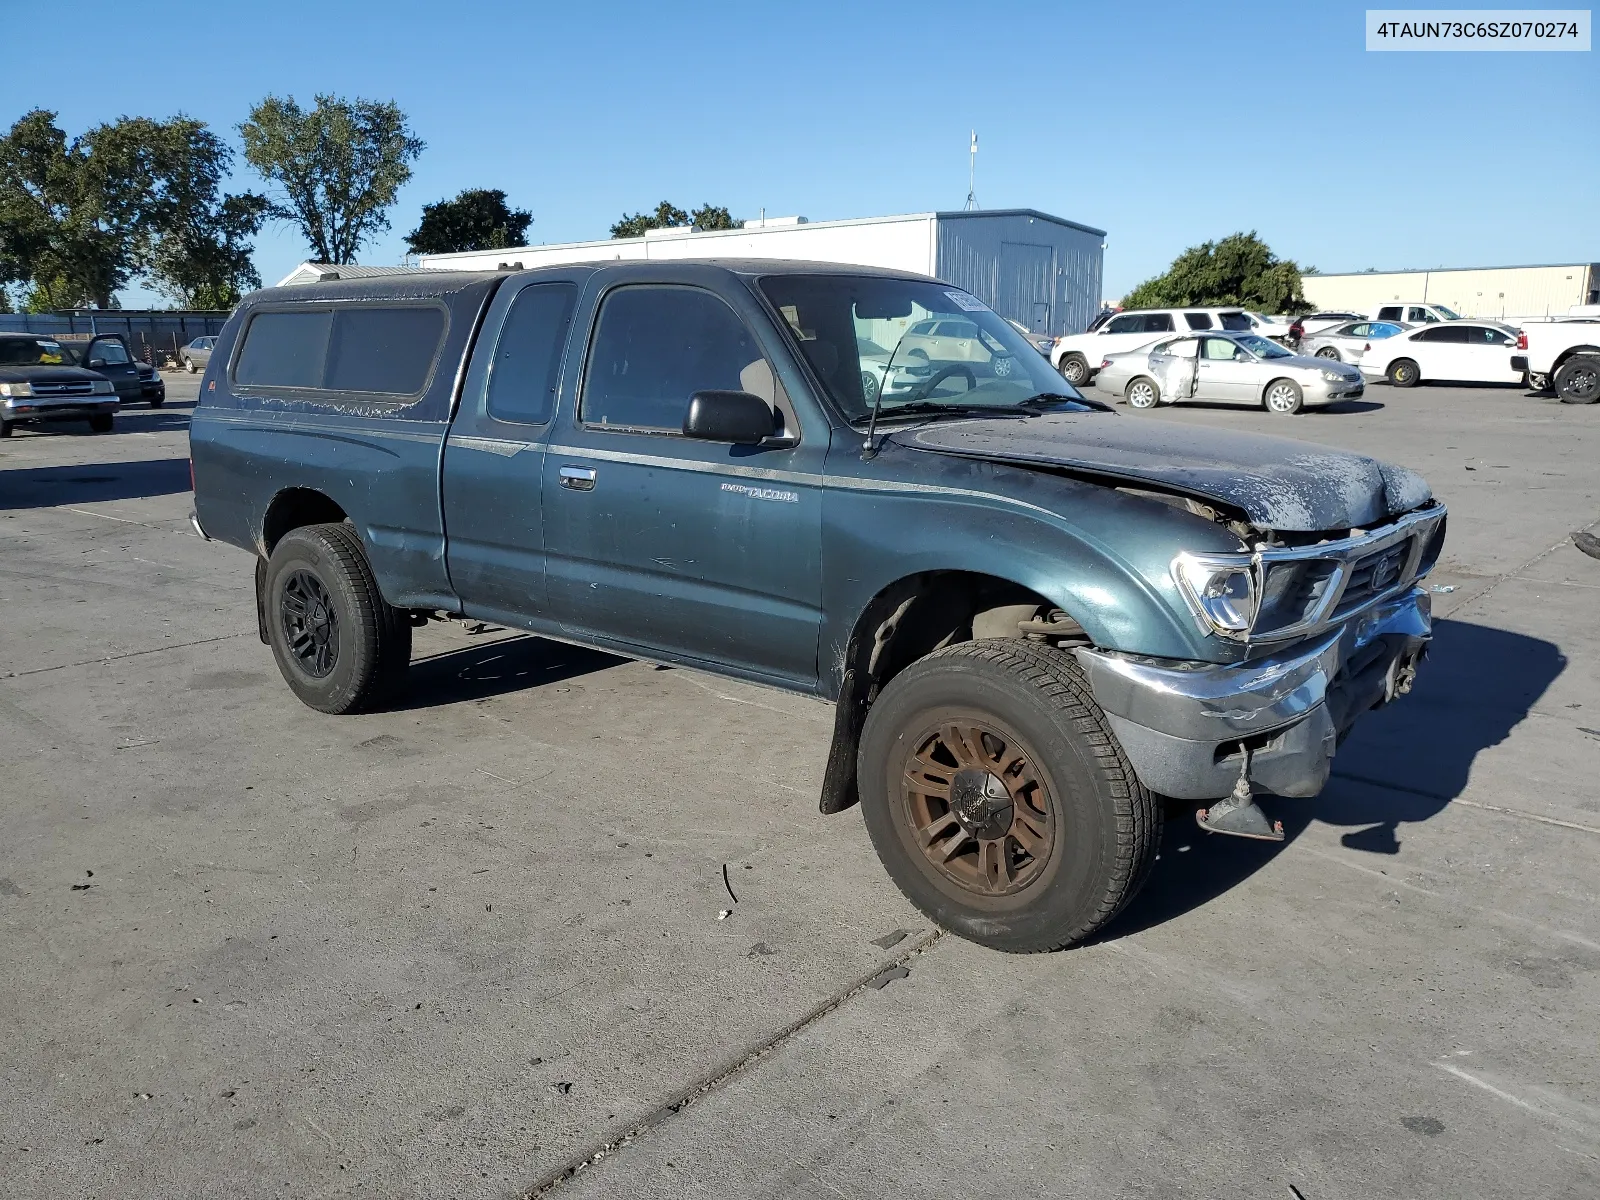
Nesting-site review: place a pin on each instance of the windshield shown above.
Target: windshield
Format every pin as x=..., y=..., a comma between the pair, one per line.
x=943, y=347
x=1448, y=315
x=1262, y=347
x=33, y=352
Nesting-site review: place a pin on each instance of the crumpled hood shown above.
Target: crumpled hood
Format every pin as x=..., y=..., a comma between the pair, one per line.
x=1277, y=482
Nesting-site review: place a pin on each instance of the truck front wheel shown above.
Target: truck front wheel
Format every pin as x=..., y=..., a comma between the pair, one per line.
x=1578, y=380
x=339, y=645
x=998, y=797
x=1075, y=369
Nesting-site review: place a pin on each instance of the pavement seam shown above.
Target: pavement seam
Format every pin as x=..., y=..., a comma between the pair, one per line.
x=89, y=662
x=721, y=1075
x=1512, y=574
x=1494, y=808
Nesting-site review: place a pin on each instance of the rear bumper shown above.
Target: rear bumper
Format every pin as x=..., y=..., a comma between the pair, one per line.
x=1186, y=728
x=1519, y=362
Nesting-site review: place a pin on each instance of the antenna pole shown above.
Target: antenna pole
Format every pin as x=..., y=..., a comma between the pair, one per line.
x=972, y=174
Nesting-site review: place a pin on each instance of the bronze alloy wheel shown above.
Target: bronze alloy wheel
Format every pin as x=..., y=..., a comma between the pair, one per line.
x=978, y=807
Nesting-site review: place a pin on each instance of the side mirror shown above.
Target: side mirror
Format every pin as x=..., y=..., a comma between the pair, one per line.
x=738, y=417
x=96, y=362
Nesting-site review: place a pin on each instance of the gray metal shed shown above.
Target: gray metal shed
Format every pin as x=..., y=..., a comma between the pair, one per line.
x=1041, y=271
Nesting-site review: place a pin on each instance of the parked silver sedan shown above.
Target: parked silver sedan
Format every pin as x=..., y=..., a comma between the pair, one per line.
x=1241, y=367
x=196, y=354
x=1348, y=342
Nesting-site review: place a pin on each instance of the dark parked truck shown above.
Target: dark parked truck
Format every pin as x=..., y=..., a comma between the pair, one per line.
x=1038, y=621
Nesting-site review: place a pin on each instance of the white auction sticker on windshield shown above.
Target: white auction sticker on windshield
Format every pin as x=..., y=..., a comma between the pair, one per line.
x=967, y=303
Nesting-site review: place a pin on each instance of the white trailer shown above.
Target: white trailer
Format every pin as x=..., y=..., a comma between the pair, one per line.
x=1038, y=270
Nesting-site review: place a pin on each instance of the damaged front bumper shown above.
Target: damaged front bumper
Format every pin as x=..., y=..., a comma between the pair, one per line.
x=1188, y=729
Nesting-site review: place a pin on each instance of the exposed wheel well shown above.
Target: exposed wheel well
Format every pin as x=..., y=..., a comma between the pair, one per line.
x=912, y=618
x=1568, y=353
x=294, y=507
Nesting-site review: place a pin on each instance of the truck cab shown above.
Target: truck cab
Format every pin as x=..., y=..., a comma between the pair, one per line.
x=1412, y=312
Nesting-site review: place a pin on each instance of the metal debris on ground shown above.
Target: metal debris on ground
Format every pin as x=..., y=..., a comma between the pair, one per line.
x=1442, y=587
x=885, y=978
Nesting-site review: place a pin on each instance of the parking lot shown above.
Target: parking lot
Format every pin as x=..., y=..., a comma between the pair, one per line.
x=564, y=910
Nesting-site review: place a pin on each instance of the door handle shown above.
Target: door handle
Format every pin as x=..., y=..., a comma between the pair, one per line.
x=579, y=479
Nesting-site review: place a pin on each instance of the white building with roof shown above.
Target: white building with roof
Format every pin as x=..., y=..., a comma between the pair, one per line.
x=315, y=272
x=1041, y=271
x=1498, y=293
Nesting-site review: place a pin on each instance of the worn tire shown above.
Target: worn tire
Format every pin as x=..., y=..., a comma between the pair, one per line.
x=1142, y=392
x=1403, y=372
x=1329, y=352
x=157, y=401
x=102, y=422
x=1578, y=380
x=188, y=365
x=1107, y=826
x=372, y=639
x=1074, y=369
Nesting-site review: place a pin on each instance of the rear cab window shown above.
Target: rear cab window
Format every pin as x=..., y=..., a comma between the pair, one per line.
x=1235, y=322
x=387, y=351
x=1198, y=320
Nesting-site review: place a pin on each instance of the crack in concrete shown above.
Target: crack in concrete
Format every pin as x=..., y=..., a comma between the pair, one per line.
x=721, y=1076
x=89, y=662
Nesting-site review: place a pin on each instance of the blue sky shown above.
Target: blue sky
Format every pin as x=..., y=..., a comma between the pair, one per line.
x=1165, y=124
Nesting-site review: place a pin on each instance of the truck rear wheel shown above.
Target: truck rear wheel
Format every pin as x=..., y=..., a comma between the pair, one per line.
x=339, y=645
x=999, y=800
x=1578, y=380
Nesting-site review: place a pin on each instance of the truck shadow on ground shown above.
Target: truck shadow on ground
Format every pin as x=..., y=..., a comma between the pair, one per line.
x=509, y=664
x=1402, y=764
x=91, y=483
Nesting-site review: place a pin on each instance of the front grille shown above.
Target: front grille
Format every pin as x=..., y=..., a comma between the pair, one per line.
x=71, y=387
x=1375, y=574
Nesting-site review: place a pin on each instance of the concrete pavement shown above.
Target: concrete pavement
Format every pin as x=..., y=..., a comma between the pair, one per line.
x=459, y=948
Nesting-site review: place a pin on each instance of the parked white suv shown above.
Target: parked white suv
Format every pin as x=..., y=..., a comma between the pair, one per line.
x=1412, y=312
x=1079, y=355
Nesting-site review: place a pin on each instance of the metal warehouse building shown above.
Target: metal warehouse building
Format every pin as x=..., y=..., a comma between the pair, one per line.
x=1493, y=292
x=1041, y=271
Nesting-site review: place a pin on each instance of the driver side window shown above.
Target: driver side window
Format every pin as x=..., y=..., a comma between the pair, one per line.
x=1222, y=350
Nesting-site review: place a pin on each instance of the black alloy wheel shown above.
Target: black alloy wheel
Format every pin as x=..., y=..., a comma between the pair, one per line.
x=310, y=623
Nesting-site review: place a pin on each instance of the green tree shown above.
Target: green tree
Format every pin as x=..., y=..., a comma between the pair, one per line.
x=75, y=216
x=338, y=167
x=1240, y=269
x=200, y=256
x=670, y=216
x=477, y=219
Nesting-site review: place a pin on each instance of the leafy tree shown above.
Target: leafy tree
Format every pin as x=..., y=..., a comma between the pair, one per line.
x=338, y=167
x=477, y=219
x=201, y=253
x=1240, y=269
x=74, y=215
x=669, y=216
x=79, y=218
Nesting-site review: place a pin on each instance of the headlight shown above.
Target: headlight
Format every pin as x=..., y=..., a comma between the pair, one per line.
x=1222, y=595
x=1333, y=376
x=16, y=390
x=101, y=387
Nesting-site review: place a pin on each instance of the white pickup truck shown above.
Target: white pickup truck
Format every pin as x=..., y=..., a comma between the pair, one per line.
x=1562, y=355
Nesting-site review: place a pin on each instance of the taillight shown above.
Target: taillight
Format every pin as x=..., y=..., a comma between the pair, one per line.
x=1522, y=340
x=1367, y=347
x=1104, y=363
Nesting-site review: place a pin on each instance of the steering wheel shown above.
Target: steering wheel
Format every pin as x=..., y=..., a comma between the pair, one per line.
x=939, y=377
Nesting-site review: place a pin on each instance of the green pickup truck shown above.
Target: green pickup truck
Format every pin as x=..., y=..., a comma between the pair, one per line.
x=1043, y=625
